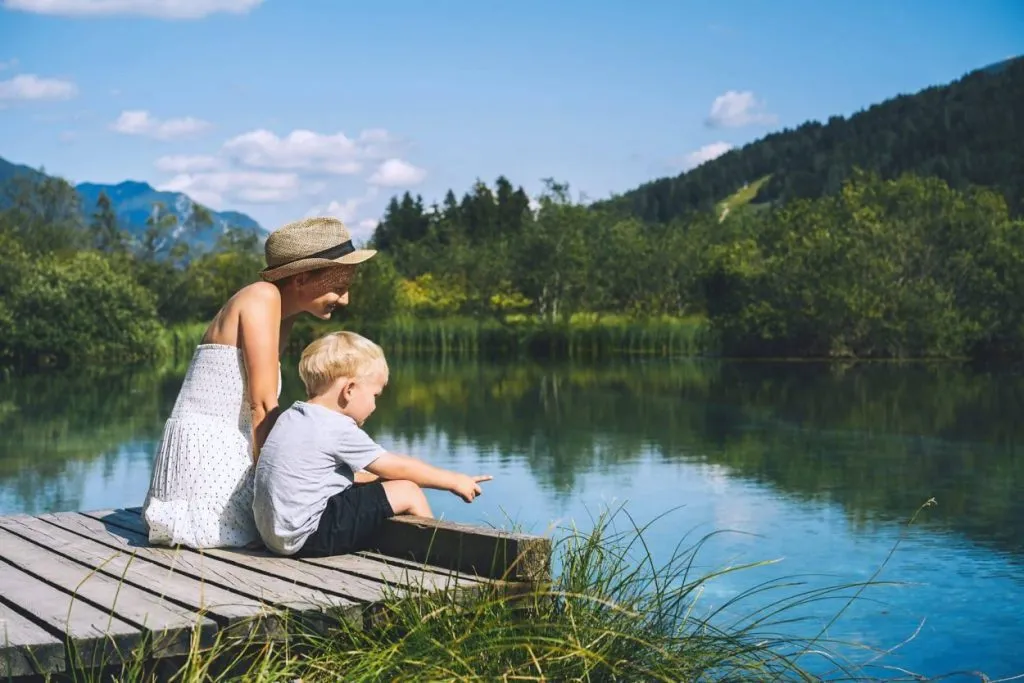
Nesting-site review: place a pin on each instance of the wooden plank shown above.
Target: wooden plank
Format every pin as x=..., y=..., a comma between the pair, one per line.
x=469, y=549
x=411, y=579
x=381, y=568
x=328, y=576
x=396, y=572
x=283, y=594
x=165, y=627
x=491, y=553
x=226, y=607
x=26, y=648
x=398, y=562
x=95, y=638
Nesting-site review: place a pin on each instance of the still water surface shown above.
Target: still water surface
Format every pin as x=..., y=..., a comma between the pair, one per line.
x=821, y=466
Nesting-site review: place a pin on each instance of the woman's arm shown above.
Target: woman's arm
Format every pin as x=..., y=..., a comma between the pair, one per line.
x=259, y=339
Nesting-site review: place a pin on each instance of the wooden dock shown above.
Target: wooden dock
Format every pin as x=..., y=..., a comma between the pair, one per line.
x=81, y=590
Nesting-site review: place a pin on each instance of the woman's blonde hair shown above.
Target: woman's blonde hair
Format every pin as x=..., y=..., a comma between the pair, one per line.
x=338, y=354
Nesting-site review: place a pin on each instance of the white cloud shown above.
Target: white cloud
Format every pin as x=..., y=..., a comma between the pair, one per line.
x=182, y=163
x=305, y=150
x=397, y=173
x=67, y=136
x=140, y=122
x=32, y=87
x=733, y=109
x=9, y=64
x=347, y=209
x=162, y=9
x=263, y=167
x=704, y=154
x=218, y=189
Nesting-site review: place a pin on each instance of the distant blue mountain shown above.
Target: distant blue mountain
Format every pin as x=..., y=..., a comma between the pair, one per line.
x=9, y=171
x=133, y=202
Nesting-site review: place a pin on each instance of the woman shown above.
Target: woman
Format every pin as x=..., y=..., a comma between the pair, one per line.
x=200, y=494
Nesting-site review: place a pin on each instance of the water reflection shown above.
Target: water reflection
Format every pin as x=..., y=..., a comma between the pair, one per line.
x=878, y=438
x=824, y=462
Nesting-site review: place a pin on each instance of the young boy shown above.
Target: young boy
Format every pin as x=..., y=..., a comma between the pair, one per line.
x=311, y=496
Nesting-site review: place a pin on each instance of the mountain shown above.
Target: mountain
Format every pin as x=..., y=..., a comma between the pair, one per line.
x=133, y=201
x=968, y=132
x=9, y=171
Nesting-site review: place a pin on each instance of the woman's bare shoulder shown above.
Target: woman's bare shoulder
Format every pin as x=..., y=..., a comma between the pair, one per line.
x=258, y=304
x=258, y=292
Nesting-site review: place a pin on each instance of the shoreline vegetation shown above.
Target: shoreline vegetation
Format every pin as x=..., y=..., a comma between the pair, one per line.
x=904, y=268
x=612, y=611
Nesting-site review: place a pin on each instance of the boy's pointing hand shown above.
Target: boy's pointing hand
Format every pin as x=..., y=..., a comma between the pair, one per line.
x=467, y=488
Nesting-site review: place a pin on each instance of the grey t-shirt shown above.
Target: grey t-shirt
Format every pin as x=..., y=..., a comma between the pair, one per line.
x=310, y=455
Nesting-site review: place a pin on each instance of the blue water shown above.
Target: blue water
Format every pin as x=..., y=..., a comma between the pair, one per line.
x=816, y=468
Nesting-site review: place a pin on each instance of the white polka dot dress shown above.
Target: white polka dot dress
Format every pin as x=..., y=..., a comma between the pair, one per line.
x=200, y=494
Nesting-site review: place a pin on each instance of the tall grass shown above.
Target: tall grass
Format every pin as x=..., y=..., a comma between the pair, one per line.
x=583, y=338
x=611, y=613
x=177, y=342
x=578, y=339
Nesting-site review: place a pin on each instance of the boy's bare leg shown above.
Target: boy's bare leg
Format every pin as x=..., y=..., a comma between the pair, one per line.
x=407, y=498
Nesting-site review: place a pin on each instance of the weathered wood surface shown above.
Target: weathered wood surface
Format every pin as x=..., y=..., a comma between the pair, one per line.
x=479, y=551
x=79, y=590
x=27, y=648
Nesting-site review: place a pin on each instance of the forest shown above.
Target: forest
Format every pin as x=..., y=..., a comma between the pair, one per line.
x=896, y=233
x=967, y=133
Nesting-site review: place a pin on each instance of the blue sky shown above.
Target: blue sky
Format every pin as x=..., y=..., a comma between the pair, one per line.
x=282, y=109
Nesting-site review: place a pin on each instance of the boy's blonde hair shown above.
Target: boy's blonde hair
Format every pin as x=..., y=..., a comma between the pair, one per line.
x=339, y=354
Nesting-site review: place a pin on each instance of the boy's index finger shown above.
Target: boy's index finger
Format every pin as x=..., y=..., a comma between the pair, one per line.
x=483, y=477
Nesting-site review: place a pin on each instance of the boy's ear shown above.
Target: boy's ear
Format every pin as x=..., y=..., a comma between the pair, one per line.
x=347, y=387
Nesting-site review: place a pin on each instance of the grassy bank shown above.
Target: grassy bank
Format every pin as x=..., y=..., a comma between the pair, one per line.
x=581, y=338
x=612, y=612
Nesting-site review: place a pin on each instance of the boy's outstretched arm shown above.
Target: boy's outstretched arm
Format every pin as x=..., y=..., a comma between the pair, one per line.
x=395, y=466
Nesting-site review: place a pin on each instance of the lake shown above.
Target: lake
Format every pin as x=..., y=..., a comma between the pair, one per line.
x=819, y=466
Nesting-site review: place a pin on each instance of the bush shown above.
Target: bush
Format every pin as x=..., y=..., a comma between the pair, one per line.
x=74, y=309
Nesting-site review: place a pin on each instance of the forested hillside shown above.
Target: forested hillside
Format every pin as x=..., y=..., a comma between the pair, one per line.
x=968, y=132
x=911, y=259
x=896, y=232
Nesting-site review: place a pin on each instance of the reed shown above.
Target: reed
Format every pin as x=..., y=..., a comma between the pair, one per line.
x=577, y=339
x=176, y=344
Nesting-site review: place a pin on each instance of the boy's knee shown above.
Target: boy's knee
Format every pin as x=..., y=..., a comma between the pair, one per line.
x=406, y=497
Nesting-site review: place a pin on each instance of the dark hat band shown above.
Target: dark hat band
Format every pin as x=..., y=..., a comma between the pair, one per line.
x=331, y=253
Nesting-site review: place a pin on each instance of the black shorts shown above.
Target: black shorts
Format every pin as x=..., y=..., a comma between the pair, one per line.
x=350, y=521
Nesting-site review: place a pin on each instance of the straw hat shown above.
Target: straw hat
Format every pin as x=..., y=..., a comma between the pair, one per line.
x=309, y=244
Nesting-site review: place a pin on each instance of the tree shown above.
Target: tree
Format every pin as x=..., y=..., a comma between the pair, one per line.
x=45, y=213
x=159, y=230
x=107, y=235
x=552, y=258
x=77, y=309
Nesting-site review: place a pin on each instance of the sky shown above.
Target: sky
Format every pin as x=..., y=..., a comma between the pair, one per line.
x=284, y=109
